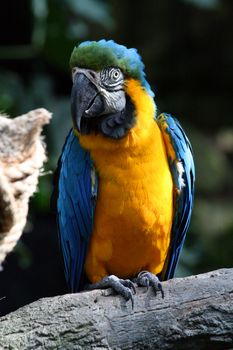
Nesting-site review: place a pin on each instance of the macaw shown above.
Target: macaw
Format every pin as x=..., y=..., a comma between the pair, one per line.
x=125, y=179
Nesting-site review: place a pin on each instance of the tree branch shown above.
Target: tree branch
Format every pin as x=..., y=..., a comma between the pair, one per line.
x=196, y=313
x=22, y=154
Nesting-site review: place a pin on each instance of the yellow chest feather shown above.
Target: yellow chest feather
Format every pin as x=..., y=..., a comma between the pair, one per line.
x=134, y=210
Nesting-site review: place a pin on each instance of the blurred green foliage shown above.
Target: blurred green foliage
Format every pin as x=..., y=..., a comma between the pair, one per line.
x=187, y=49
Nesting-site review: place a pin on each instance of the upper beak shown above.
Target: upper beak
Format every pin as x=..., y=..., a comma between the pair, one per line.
x=86, y=100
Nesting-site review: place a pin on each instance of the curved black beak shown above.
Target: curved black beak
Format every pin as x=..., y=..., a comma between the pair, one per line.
x=86, y=101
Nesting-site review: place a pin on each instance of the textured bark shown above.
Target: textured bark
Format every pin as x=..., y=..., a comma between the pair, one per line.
x=22, y=154
x=196, y=313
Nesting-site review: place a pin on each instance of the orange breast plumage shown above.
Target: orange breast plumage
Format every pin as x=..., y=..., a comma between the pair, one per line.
x=134, y=211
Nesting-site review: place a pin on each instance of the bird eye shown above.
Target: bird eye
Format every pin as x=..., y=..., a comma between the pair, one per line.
x=116, y=74
x=111, y=77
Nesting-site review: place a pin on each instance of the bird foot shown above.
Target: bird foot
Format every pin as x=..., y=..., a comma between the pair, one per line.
x=123, y=287
x=146, y=279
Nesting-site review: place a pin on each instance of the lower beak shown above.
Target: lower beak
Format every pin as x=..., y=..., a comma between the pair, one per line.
x=86, y=101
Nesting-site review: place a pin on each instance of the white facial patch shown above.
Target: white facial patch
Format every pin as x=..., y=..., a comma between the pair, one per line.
x=114, y=100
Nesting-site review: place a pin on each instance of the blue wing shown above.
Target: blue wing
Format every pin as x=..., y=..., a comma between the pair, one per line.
x=76, y=194
x=181, y=163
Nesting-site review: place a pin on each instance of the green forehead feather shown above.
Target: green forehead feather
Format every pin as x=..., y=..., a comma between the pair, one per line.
x=97, y=55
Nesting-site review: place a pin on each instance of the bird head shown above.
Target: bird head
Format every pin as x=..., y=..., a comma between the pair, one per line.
x=100, y=98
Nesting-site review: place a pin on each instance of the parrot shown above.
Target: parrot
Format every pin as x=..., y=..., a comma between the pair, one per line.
x=125, y=179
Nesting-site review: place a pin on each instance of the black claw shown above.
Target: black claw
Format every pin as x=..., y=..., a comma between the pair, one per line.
x=147, y=283
x=155, y=289
x=131, y=286
x=147, y=279
x=134, y=289
x=132, y=300
x=160, y=288
x=120, y=286
x=128, y=283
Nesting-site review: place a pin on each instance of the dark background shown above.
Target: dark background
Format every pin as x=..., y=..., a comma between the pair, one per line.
x=188, y=52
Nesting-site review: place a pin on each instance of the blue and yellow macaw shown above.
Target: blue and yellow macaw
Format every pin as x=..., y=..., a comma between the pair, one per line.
x=126, y=177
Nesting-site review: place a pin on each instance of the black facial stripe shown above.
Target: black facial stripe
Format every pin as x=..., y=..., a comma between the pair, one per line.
x=113, y=89
x=117, y=87
x=104, y=75
x=113, y=81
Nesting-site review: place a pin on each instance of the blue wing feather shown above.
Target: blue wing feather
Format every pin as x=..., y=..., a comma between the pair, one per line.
x=75, y=208
x=183, y=195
